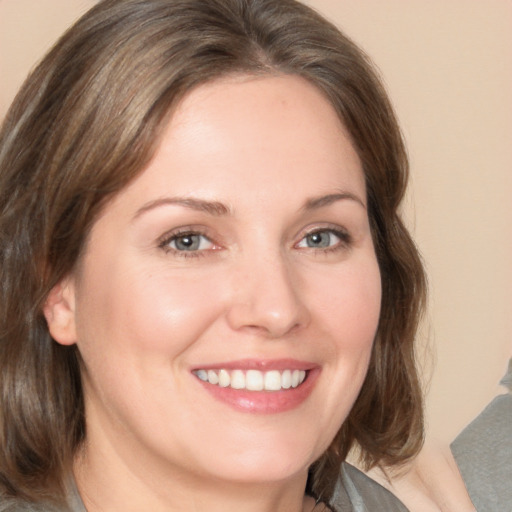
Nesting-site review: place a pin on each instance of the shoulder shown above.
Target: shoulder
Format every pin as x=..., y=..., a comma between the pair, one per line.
x=357, y=492
x=494, y=418
x=17, y=505
x=483, y=452
x=489, y=435
x=73, y=502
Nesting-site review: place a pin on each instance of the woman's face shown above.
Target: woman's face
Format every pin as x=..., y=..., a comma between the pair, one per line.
x=227, y=300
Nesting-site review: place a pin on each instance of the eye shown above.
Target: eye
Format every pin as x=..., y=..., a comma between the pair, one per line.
x=187, y=242
x=319, y=239
x=324, y=239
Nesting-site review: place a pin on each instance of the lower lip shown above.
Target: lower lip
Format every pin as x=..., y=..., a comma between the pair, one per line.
x=264, y=402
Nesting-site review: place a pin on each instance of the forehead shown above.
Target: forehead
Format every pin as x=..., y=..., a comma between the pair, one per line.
x=252, y=135
x=278, y=116
x=255, y=105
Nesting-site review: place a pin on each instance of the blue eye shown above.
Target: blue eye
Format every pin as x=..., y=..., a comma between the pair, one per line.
x=321, y=239
x=324, y=239
x=187, y=242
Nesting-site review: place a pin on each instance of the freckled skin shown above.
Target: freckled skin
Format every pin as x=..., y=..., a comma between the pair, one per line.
x=144, y=313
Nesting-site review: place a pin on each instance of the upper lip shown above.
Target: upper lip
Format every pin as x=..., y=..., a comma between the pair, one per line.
x=259, y=364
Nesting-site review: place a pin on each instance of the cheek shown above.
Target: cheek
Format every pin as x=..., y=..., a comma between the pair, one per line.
x=348, y=316
x=148, y=310
x=173, y=311
x=350, y=305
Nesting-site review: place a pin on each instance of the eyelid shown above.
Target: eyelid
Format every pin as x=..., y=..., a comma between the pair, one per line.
x=166, y=239
x=340, y=232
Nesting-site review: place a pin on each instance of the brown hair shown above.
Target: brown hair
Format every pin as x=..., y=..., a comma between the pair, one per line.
x=89, y=119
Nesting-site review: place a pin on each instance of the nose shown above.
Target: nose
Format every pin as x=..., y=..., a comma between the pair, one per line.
x=267, y=299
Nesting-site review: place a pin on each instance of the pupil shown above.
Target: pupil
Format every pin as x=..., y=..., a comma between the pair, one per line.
x=187, y=242
x=319, y=240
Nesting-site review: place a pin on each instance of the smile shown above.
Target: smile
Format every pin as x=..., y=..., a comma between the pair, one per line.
x=253, y=380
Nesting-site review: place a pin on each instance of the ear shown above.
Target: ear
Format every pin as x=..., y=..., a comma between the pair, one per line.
x=59, y=311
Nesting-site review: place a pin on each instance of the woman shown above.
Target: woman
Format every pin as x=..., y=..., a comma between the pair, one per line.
x=208, y=296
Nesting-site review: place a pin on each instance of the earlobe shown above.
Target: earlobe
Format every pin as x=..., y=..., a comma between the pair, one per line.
x=59, y=311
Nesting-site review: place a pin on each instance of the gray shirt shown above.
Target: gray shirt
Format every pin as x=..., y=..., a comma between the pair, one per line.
x=483, y=452
x=356, y=492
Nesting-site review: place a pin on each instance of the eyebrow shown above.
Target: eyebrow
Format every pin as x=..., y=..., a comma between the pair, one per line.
x=219, y=209
x=211, y=207
x=321, y=201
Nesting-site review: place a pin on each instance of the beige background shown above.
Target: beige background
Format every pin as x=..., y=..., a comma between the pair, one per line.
x=448, y=67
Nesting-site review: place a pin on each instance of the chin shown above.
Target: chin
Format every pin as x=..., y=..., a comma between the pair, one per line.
x=267, y=460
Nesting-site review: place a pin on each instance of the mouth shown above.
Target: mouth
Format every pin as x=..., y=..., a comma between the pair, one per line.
x=253, y=380
x=256, y=386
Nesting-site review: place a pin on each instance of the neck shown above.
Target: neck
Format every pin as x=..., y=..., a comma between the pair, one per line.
x=110, y=484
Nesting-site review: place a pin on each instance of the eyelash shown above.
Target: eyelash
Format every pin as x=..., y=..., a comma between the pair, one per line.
x=168, y=238
x=345, y=241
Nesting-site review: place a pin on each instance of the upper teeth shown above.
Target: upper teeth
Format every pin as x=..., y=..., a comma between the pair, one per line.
x=253, y=380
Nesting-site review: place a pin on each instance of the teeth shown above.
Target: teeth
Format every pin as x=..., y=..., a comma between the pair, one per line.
x=224, y=379
x=295, y=378
x=238, y=379
x=253, y=380
x=212, y=377
x=273, y=381
x=202, y=374
x=286, y=379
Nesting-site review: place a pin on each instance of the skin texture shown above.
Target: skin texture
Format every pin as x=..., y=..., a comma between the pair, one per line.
x=144, y=314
